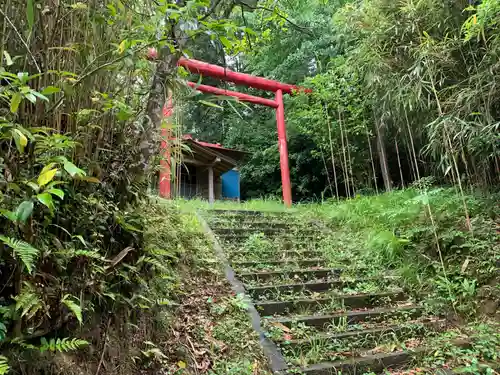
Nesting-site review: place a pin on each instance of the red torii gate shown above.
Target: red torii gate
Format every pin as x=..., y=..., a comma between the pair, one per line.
x=224, y=74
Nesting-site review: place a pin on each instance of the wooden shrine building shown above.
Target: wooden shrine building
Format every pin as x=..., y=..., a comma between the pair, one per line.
x=207, y=171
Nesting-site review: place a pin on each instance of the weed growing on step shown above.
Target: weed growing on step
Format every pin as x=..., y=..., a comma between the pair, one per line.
x=270, y=205
x=471, y=349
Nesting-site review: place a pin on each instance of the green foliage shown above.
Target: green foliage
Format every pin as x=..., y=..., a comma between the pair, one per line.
x=22, y=250
x=28, y=302
x=58, y=345
x=479, y=357
x=400, y=90
x=4, y=367
x=78, y=151
x=61, y=345
x=388, y=246
x=73, y=307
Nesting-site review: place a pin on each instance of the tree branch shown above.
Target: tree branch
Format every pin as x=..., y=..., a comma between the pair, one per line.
x=301, y=28
x=211, y=10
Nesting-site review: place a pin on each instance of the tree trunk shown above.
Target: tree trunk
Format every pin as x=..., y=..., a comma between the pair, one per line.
x=399, y=162
x=345, y=168
x=371, y=159
x=382, y=156
x=331, y=152
x=165, y=67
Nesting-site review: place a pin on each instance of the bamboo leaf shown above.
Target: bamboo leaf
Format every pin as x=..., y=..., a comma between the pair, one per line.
x=9, y=215
x=31, y=97
x=15, y=101
x=40, y=96
x=57, y=192
x=47, y=167
x=46, y=200
x=30, y=14
x=8, y=60
x=122, y=46
x=72, y=169
x=226, y=42
x=34, y=186
x=49, y=90
x=24, y=210
x=210, y=104
x=20, y=139
x=46, y=176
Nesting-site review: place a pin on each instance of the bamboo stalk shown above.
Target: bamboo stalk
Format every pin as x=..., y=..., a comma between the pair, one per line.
x=344, y=168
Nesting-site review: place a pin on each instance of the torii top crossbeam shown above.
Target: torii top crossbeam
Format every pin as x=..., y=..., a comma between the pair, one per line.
x=224, y=74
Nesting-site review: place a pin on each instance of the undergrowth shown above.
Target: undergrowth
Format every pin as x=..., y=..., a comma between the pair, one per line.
x=424, y=236
x=446, y=260
x=211, y=332
x=169, y=312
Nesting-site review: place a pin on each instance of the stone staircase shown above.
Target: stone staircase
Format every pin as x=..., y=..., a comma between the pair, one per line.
x=320, y=320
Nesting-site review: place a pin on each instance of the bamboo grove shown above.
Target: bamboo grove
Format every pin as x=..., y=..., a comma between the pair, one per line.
x=401, y=90
x=80, y=119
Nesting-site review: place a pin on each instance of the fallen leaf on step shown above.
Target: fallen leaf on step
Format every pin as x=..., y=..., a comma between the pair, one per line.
x=464, y=266
x=281, y=326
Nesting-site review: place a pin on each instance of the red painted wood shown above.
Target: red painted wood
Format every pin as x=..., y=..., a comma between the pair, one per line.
x=165, y=167
x=283, y=150
x=210, y=70
x=242, y=97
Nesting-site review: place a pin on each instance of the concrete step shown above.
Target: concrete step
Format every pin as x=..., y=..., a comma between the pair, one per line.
x=351, y=317
x=266, y=231
x=279, y=244
x=313, y=286
x=375, y=363
x=276, y=254
x=294, y=239
x=251, y=224
x=306, y=253
x=309, y=274
x=370, y=334
x=371, y=362
x=246, y=213
x=278, y=263
x=352, y=301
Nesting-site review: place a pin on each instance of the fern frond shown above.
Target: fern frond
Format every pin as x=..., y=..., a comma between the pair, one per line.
x=88, y=254
x=3, y=331
x=4, y=366
x=154, y=262
x=61, y=345
x=163, y=302
x=22, y=250
x=28, y=301
x=73, y=307
x=22, y=344
x=163, y=253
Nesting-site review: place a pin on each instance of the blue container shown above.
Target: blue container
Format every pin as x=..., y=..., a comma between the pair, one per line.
x=231, y=185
